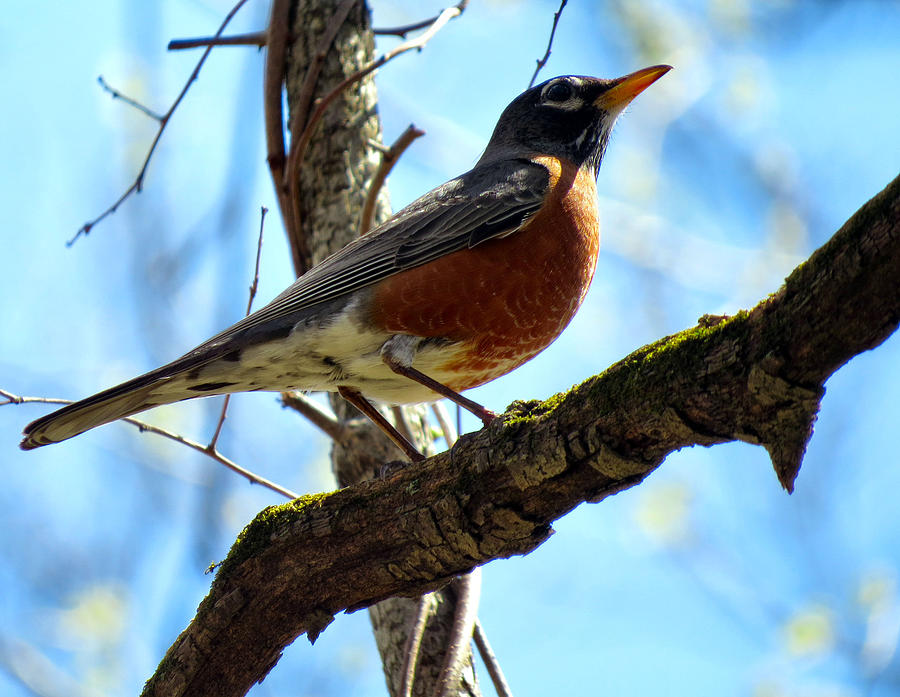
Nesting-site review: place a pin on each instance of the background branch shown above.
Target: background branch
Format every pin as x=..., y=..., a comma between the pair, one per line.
x=541, y=62
x=115, y=94
x=138, y=183
x=208, y=450
x=256, y=38
x=407, y=28
x=388, y=159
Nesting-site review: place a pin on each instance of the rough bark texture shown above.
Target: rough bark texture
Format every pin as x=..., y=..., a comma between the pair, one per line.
x=756, y=377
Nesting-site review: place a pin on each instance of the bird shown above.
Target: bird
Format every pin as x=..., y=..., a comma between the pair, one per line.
x=458, y=288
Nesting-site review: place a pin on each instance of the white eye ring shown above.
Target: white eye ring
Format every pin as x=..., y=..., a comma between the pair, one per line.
x=565, y=98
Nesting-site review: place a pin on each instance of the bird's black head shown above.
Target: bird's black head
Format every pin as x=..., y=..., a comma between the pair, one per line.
x=569, y=116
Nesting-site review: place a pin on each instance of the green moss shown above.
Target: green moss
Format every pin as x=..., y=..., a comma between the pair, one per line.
x=523, y=412
x=673, y=354
x=701, y=334
x=625, y=377
x=258, y=532
x=553, y=402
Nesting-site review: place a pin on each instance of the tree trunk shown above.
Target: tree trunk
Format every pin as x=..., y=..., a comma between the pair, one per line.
x=340, y=163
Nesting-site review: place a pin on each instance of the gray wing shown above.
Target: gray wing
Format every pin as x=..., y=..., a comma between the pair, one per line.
x=490, y=202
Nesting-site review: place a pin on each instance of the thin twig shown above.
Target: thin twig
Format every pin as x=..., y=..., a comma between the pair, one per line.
x=543, y=61
x=491, y=662
x=401, y=423
x=406, y=29
x=298, y=147
x=254, y=38
x=389, y=158
x=215, y=455
x=443, y=419
x=211, y=447
x=149, y=428
x=163, y=122
x=253, y=286
x=413, y=646
x=316, y=414
x=18, y=399
x=375, y=145
x=115, y=94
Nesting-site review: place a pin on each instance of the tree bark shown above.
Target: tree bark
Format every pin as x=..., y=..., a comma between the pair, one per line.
x=757, y=377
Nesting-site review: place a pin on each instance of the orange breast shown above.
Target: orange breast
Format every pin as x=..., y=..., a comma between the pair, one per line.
x=507, y=299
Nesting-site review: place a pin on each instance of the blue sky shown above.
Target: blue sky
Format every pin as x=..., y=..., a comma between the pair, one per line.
x=779, y=120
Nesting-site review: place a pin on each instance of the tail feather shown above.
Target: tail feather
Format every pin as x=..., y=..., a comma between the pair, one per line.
x=161, y=386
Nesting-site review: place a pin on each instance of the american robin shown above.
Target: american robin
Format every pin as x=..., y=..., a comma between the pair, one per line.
x=460, y=287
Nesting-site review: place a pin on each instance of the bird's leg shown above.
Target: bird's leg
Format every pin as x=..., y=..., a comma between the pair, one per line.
x=400, y=367
x=356, y=398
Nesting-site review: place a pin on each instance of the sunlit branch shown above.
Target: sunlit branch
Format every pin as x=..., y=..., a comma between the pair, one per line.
x=388, y=159
x=543, y=61
x=254, y=284
x=115, y=94
x=255, y=38
x=149, y=428
x=407, y=28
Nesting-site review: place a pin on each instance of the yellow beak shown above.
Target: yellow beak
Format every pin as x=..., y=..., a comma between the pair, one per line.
x=626, y=88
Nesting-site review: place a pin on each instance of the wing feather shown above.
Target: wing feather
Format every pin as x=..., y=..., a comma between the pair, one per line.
x=447, y=219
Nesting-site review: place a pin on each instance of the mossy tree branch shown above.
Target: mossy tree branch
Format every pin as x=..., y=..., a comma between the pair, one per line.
x=756, y=377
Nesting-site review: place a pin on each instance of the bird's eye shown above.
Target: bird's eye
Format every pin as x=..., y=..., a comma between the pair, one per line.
x=558, y=92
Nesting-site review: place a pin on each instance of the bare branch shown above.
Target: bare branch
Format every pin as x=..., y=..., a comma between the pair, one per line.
x=414, y=645
x=211, y=446
x=491, y=662
x=18, y=399
x=406, y=29
x=465, y=615
x=443, y=419
x=401, y=423
x=252, y=477
x=115, y=94
x=144, y=427
x=37, y=675
x=543, y=61
x=138, y=183
x=388, y=159
x=273, y=114
x=319, y=416
x=255, y=38
x=254, y=284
